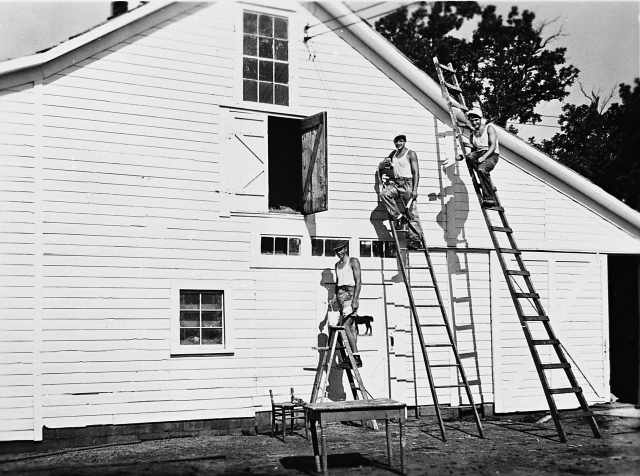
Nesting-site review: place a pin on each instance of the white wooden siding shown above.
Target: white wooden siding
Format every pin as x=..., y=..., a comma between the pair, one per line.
x=571, y=292
x=17, y=261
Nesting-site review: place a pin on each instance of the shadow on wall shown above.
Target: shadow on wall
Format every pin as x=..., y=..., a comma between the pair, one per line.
x=335, y=387
x=454, y=200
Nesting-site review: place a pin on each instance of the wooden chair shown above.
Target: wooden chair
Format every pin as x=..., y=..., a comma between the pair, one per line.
x=294, y=410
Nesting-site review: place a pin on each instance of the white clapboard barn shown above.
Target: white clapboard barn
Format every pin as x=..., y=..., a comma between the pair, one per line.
x=173, y=182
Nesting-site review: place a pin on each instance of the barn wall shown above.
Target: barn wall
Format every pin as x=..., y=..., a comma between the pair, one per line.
x=133, y=200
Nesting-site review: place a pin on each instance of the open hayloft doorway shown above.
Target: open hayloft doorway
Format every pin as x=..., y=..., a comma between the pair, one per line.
x=624, y=318
x=285, y=166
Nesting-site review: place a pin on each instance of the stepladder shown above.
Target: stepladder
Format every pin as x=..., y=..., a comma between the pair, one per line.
x=550, y=366
x=444, y=369
x=334, y=358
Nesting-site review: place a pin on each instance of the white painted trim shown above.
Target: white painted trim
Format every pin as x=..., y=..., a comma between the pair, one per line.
x=496, y=328
x=606, y=356
x=38, y=271
x=208, y=285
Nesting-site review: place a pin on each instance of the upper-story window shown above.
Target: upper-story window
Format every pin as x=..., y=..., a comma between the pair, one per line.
x=265, y=62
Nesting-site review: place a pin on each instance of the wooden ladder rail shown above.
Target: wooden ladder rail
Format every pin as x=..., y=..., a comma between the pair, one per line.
x=510, y=275
x=418, y=325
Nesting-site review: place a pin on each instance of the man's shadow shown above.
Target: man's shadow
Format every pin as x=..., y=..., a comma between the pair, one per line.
x=335, y=387
x=456, y=203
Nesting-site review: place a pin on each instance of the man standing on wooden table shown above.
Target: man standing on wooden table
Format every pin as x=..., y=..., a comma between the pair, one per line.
x=347, y=293
x=403, y=180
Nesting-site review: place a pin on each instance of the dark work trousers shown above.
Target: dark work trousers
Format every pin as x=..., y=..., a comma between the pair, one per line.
x=483, y=171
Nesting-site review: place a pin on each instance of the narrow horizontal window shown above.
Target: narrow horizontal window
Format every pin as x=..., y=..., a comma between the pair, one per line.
x=279, y=245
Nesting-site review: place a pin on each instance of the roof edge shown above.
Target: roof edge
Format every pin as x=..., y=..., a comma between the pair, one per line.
x=431, y=89
x=38, y=60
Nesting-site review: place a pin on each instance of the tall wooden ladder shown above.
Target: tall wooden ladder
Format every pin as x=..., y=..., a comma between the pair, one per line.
x=423, y=297
x=540, y=334
x=338, y=344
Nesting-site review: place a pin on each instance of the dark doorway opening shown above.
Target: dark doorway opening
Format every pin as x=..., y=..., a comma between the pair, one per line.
x=285, y=164
x=624, y=315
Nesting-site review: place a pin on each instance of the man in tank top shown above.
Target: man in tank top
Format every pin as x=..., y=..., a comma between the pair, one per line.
x=485, y=155
x=347, y=293
x=402, y=183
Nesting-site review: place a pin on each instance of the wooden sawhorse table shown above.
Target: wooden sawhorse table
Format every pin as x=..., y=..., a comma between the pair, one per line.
x=357, y=410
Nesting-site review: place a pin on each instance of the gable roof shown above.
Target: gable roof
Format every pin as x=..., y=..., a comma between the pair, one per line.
x=367, y=42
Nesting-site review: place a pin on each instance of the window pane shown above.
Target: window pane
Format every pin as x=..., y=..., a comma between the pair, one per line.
x=378, y=249
x=250, y=45
x=211, y=336
x=250, y=22
x=317, y=247
x=266, y=92
x=212, y=319
x=282, y=50
x=212, y=300
x=266, y=25
x=282, y=95
x=265, y=48
x=266, y=71
x=189, y=318
x=189, y=336
x=281, y=246
x=250, y=68
x=280, y=28
x=250, y=90
x=365, y=249
x=266, y=245
x=389, y=249
x=189, y=300
x=294, y=246
x=281, y=73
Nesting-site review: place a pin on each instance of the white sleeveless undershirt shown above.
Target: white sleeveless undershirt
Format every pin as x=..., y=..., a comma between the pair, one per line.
x=482, y=142
x=402, y=166
x=345, y=275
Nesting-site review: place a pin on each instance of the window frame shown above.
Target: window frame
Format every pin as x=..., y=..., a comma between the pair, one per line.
x=228, y=318
x=294, y=25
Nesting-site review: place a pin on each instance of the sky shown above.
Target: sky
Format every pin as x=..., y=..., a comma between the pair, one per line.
x=602, y=38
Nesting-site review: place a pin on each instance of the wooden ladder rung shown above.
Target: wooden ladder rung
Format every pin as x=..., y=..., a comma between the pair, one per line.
x=565, y=365
x=458, y=385
x=535, y=318
x=443, y=365
x=515, y=272
x=527, y=295
x=555, y=391
x=427, y=305
x=453, y=87
x=433, y=325
x=418, y=267
x=438, y=345
x=506, y=229
x=447, y=68
x=514, y=251
x=496, y=208
x=422, y=286
x=545, y=342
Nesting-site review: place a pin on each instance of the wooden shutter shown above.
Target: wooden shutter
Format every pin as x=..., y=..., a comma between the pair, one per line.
x=315, y=186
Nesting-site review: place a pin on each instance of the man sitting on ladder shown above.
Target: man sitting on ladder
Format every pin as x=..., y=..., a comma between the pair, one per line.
x=403, y=181
x=485, y=155
x=348, y=285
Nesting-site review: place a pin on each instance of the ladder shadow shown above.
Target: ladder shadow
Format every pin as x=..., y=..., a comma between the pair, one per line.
x=530, y=429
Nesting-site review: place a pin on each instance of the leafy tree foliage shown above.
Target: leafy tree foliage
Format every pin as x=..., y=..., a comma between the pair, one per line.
x=602, y=144
x=506, y=65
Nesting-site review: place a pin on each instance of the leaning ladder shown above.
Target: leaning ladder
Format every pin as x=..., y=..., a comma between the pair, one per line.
x=518, y=279
x=421, y=297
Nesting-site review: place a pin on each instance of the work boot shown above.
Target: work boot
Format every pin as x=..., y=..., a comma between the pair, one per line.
x=398, y=222
x=488, y=203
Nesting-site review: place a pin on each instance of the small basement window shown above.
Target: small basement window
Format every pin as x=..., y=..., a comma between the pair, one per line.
x=377, y=249
x=279, y=245
x=324, y=247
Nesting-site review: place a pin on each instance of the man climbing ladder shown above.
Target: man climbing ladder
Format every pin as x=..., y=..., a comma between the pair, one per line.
x=517, y=276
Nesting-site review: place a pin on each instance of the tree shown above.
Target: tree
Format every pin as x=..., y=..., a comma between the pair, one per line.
x=505, y=66
x=602, y=144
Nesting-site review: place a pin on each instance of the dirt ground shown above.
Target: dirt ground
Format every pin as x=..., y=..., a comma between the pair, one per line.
x=513, y=445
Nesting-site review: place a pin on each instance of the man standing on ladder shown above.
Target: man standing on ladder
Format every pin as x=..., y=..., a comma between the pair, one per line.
x=485, y=155
x=348, y=285
x=403, y=184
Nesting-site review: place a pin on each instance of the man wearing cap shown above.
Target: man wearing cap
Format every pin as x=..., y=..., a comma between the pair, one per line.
x=485, y=155
x=403, y=184
x=347, y=293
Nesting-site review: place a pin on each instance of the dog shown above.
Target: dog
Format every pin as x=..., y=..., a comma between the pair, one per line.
x=366, y=320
